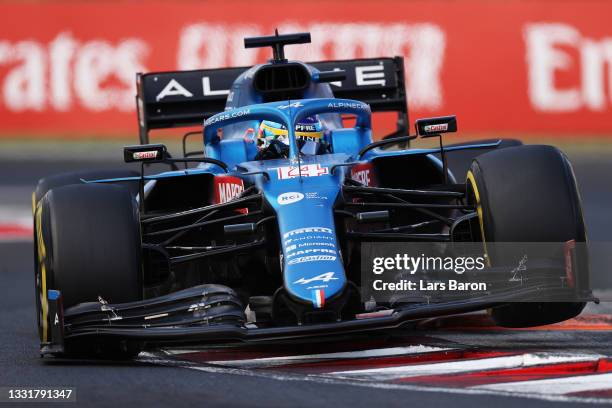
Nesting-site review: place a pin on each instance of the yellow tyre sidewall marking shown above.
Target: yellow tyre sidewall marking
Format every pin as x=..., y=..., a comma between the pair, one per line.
x=42, y=255
x=472, y=180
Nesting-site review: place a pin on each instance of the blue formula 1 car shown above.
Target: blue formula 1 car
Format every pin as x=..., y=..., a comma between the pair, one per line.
x=259, y=236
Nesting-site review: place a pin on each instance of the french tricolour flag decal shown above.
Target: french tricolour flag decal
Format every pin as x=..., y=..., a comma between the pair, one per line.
x=318, y=298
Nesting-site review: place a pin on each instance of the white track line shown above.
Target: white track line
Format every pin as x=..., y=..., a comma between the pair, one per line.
x=556, y=386
x=178, y=352
x=382, y=352
x=463, y=366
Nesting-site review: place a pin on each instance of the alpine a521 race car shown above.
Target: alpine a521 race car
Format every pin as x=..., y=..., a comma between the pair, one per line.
x=258, y=237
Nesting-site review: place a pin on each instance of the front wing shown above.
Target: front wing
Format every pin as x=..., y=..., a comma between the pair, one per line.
x=133, y=321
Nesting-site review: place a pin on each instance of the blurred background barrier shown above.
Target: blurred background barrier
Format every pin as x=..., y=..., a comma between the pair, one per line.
x=539, y=70
x=514, y=67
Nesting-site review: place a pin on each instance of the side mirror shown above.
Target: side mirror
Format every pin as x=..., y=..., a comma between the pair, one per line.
x=338, y=75
x=151, y=153
x=435, y=126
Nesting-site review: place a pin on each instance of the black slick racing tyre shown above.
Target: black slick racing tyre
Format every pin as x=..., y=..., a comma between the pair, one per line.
x=88, y=247
x=459, y=161
x=528, y=194
x=65, y=179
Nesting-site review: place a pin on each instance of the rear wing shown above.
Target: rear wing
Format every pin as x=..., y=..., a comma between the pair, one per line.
x=187, y=98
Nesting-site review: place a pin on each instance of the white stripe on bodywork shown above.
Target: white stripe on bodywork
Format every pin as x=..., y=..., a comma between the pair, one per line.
x=464, y=366
x=555, y=386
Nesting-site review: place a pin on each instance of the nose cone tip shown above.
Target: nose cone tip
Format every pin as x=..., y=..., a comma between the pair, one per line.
x=318, y=298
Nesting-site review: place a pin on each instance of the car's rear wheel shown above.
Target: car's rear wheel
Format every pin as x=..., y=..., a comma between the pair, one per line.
x=528, y=194
x=88, y=246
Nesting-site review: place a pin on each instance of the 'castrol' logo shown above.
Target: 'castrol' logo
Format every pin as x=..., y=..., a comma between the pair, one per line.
x=151, y=154
x=442, y=127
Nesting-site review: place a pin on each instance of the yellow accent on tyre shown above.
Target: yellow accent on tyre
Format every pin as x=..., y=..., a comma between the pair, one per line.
x=472, y=180
x=42, y=254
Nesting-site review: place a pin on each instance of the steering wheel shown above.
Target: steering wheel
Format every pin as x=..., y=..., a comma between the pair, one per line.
x=275, y=150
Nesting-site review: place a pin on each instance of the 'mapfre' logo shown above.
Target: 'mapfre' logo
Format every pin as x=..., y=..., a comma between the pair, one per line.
x=229, y=191
x=227, y=188
x=363, y=173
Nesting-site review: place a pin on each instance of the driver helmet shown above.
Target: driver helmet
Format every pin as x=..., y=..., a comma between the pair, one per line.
x=307, y=130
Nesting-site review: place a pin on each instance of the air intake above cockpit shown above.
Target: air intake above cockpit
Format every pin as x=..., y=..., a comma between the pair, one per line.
x=282, y=81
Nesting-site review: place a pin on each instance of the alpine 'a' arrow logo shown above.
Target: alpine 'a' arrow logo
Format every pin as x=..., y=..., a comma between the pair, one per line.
x=324, y=277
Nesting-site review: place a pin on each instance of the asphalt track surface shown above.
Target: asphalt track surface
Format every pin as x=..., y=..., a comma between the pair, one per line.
x=438, y=363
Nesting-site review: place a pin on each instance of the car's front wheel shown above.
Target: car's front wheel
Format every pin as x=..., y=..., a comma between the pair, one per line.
x=528, y=194
x=88, y=247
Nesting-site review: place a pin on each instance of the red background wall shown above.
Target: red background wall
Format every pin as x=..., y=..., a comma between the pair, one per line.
x=502, y=66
